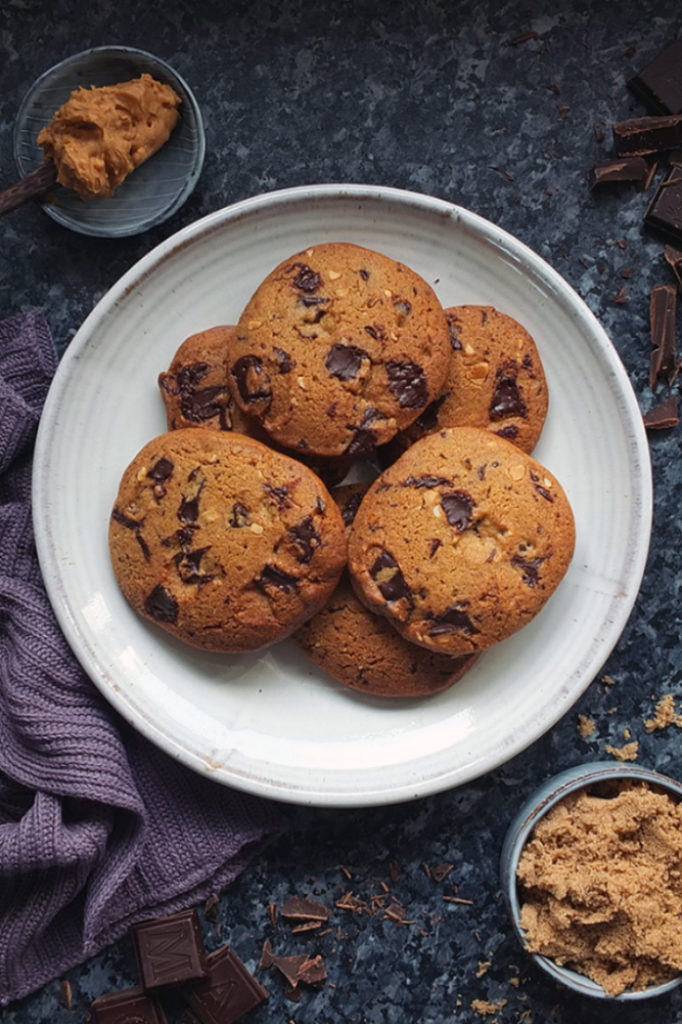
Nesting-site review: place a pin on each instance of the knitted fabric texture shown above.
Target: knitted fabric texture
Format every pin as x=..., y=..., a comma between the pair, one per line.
x=98, y=828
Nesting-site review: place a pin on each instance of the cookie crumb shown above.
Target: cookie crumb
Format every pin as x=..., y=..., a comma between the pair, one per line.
x=486, y=1009
x=586, y=726
x=664, y=715
x=628, y=752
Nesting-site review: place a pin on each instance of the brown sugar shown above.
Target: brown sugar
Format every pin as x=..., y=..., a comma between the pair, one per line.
x=601, y=886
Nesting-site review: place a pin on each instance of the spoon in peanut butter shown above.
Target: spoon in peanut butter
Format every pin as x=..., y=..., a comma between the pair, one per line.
x=97, y=138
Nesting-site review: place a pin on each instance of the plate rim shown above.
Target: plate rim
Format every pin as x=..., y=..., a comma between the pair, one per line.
x=193, y=233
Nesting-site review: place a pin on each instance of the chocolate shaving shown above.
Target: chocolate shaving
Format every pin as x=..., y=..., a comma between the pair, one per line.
x=301, y=908
x=627, y=168
x=662, y=310
x=674, y=258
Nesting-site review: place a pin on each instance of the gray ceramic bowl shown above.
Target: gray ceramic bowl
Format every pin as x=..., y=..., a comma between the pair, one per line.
x=156, y=189
x=537, y=805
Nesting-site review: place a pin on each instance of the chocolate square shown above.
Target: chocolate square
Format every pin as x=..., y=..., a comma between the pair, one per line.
x=170, y=950
x=130, y=1004
x=659, y=84
x=228, y=992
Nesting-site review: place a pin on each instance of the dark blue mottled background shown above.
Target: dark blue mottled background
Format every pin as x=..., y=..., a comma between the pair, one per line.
x=433, y=96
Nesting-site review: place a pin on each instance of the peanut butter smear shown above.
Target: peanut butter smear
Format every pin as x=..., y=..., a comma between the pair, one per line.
x=103, y=133
x=601, y=886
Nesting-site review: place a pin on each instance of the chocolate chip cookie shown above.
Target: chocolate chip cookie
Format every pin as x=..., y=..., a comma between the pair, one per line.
x=363, y=650
x=461, y=541
x=338, y=349
x=195, y=394
x=194, y=387
x=495, y=380
x=223, y=542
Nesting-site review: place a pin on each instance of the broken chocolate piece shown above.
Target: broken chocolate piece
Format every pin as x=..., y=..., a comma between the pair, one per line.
x=170, y=950
x=228, y=992
x=659, y=83
x=125, y=1007
x=665, y=209
x=662, y=416
x=626, y=168
x=638, y=136
x=297, y=968
x=674, y=258
x=662, y=309
x=300, y=908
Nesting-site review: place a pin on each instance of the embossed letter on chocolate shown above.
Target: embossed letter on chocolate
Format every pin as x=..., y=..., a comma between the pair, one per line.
x=170, y=950
x=228, y=992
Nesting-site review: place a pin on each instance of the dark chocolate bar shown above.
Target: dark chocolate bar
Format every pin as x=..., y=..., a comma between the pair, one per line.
x=665, y=209
x=130, y=1004
x=662, y=311
x=625, y=168
x=641, y=135
x=170, y=950
x=659, y=84
x=228, y=992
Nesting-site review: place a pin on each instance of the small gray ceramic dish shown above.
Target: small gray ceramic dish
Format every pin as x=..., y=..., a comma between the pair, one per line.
x=537, y=805
x=156, y=189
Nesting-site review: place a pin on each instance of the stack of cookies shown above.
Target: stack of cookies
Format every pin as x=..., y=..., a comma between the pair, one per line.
x=233, y=530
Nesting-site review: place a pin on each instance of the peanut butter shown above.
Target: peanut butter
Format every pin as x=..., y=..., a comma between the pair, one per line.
x=601, y=881
x=103, y=133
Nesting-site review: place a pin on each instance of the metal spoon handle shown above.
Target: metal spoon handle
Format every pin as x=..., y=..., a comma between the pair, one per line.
x=36, y=183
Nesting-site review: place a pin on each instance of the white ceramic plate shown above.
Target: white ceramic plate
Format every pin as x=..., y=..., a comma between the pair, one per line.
x=271, y=723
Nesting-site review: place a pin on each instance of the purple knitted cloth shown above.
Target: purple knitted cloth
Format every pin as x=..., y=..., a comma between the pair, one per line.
x=98, y=828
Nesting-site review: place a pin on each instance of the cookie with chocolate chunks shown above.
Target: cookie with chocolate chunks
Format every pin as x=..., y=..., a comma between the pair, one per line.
x=223, y=542
x=461, y=541
x=362, y=650
x=495, y=380
x=338, y=349
x=194, y=387
x=195, y=394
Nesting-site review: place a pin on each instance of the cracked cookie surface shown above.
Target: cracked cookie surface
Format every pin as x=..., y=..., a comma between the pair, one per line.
x=338, y=349
x=461, y=541
x=223, y=542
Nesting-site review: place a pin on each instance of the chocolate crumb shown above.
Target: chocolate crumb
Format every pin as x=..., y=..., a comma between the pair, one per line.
x=663, y=416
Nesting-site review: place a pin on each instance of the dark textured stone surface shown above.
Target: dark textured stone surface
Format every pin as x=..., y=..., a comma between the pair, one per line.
x=434, y=96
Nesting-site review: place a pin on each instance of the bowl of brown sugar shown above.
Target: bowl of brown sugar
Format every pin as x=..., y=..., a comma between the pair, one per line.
x=591, y=871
